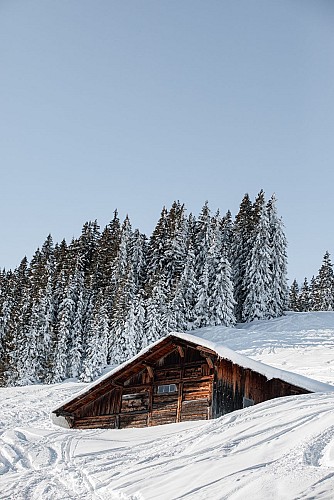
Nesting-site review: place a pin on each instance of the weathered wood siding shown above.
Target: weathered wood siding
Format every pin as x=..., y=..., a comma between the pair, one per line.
x=232, y=383
x=139, y=404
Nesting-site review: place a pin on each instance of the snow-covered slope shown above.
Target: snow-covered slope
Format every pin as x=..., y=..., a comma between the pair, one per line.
x=299, y=342
x=280, y=449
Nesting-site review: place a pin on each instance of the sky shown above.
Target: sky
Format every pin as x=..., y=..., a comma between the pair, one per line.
x=131, y=105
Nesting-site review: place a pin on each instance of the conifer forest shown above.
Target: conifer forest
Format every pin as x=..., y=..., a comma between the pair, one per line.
x=77, y=307
x=316, y=294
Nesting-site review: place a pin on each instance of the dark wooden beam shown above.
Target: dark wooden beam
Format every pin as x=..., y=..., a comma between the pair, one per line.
x=149, y=369
x=116, y=384
x=156, y=351
x=181, y=351
x=64, y=413
x=150, y=406
x=205, y=349
x=147, y=363
x=209, y=361
x=131, y=369
x=180, y=388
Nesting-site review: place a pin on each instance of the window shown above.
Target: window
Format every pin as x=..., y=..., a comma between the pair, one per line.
x=247, y=402
x=163, y=389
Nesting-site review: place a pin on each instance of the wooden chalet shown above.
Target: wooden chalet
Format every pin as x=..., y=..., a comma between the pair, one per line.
x=178, y=378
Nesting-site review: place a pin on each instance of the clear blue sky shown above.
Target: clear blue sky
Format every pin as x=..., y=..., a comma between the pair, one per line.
x=132, y=104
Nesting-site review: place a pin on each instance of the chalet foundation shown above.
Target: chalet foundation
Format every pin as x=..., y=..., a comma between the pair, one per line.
x=179, y=378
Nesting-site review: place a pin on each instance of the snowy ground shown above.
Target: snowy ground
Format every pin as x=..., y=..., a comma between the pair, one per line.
x=299, y=342
x=281, y=449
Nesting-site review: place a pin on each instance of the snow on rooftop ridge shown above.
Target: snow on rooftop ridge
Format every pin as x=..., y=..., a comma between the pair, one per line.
x=224, y=352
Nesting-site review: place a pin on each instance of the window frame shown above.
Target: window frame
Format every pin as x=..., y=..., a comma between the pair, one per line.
x=169, y=391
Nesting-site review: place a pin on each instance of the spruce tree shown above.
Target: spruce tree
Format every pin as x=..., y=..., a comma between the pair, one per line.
x=241, y=248
x=294, y=296
x=313, y=293
x=95, y=358
x=278, y=265
x=202, y=305
x=304, y=300
x=258, y=272
x=156, y=253
x=155, y=311
x=17, y=358
x=324, y=300
x=222, y=301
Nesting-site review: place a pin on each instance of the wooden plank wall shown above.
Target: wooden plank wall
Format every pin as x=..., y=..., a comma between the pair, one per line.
x=207, y=387
x=233, y=383
x=139, y=404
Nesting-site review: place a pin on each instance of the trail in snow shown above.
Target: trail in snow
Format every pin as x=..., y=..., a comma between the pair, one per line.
x=274, y=450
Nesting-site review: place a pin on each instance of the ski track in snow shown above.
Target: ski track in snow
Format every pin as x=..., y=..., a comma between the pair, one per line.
x=281, y=449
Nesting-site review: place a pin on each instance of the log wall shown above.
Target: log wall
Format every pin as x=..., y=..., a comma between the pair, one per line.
x=233, y=383
x=139, y=404
x=176, y=383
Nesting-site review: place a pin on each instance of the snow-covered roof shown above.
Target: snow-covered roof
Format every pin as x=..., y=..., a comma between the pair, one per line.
x=223, y=352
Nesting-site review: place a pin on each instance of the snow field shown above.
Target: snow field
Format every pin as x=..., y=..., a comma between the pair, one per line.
x=281, y=449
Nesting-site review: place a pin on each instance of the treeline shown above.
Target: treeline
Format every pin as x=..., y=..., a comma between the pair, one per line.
x=316, y=295
x=77, y=307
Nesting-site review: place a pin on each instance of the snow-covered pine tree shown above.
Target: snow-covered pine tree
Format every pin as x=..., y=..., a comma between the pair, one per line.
x=42, y=317
x=63, y=298
x=62, y=337
x=155, y=311
x=294, y=296
x=123, y=279
x=222, y=302
x=278, y=265
x=220, y=286
x=139, y=313
x=15, y=351
x=258, y=274
x=167, y=254
x=76, y=334
x=227, y=236
x=84, y=255
x=313, y=293
x=203, y=239
x=85, y=249
x=174, y=258
x=138, y=254
x=156, y=253
x=122, y=323
x=187, y=290
x=8, y=343
x=324, y=296
x=202, y=305
x=95, y=358
x=107, y=250
x=240, y=251
x=304, y=300
x=106, y=275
